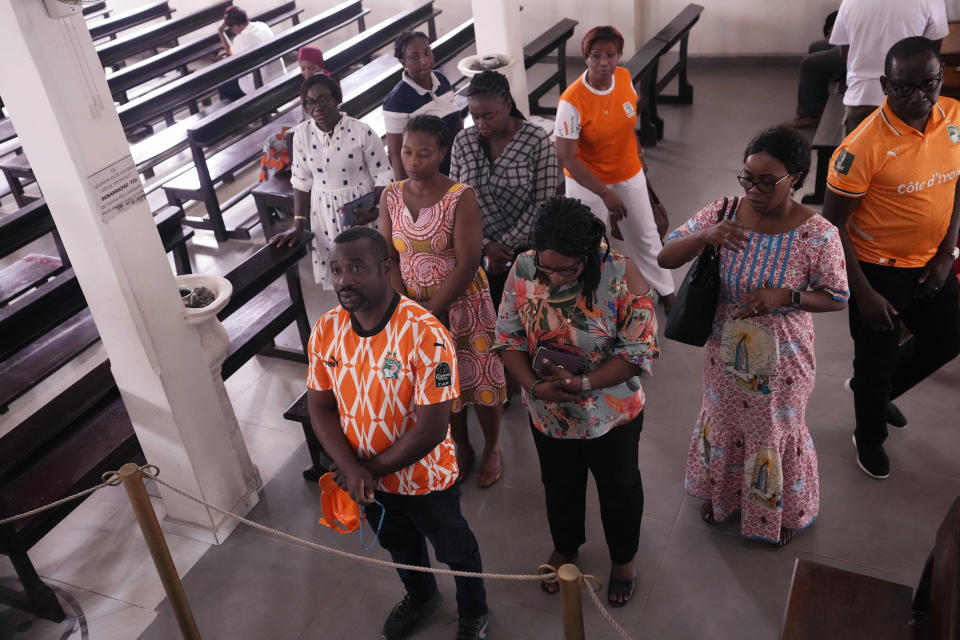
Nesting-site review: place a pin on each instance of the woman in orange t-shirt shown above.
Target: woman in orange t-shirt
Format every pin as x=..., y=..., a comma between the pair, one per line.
x=601, y=158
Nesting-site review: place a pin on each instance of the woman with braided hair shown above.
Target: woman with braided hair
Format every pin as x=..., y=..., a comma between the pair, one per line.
x=577, y=329
x=432, y=225
x=511, y=165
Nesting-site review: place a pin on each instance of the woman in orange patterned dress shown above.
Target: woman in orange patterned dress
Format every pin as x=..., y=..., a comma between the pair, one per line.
x=433, y=227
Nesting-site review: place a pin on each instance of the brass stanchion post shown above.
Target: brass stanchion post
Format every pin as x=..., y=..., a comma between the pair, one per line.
x=132, y=479
x=569, y=577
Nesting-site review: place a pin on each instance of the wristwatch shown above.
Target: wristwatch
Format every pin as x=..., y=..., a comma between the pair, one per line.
x=585, y=387
x=795, y=299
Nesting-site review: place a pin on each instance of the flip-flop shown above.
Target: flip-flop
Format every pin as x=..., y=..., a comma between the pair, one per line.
x=549, y=586
x=620, y=588
x=485, y=480
x=786, y=535
x=706, y=513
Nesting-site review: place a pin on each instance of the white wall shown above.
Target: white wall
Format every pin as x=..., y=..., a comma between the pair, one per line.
x=726, y=27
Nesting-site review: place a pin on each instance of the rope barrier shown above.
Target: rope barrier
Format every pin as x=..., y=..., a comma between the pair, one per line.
x=113, y=482
x=112, y=479
x=343, y=554
x=584, y=582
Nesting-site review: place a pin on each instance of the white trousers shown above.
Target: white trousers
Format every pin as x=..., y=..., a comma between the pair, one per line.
x=641, y=242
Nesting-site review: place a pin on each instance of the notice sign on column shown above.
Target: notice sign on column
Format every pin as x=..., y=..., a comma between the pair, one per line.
x=117, y=188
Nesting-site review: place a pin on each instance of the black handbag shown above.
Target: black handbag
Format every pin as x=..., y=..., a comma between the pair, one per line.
x=691, y=318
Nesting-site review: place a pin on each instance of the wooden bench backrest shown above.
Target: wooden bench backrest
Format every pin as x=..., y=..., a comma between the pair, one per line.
x=154, y=66
x=225, y=122
x=94, y=7
x=548, y=41
x=682, y=23
x=24, y=226
x=36, y=312
x=158, y=35
x=203, y=81
x=370, y=94
x=255, y=273
x=120, y=21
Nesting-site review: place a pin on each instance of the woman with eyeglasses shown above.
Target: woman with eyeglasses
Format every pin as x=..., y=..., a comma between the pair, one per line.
x=780, y=262
x=336, y=160
x=432, y=226
x=598, y=148
x=577, y=329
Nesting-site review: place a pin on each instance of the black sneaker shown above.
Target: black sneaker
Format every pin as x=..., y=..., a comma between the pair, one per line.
x=405, y=616
x=474, y=628
x=894, y=416
x=874, y=463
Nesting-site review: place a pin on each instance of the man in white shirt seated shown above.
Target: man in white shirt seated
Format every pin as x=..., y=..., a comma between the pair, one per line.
x=865, y=31
x=246, y=35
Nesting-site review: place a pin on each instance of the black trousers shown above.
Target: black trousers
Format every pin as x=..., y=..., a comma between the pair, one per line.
x=818, y=68
x=883, y=369
x=411, y=521
x=612, y=459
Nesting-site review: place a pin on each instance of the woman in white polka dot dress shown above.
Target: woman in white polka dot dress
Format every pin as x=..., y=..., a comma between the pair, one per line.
x=336, y=159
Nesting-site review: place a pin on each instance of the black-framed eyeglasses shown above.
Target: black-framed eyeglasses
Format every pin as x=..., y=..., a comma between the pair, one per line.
x=309, y=104
x=763, y=186
x=906, y=89
x=560, y=271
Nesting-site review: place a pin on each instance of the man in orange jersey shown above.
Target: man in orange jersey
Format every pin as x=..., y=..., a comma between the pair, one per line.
x=893, y=191
x=382, y=378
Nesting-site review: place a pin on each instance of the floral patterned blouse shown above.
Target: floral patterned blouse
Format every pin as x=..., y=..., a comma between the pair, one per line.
x=620, y=325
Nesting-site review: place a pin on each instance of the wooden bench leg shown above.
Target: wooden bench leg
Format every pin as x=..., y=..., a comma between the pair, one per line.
x=685, y=92
x=16, y=188
x=321, y=462
x=181, y=260
x=37, y=598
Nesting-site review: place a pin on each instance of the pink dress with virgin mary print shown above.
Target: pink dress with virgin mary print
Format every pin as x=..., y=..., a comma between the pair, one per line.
x=751, y=450
x=427, y=258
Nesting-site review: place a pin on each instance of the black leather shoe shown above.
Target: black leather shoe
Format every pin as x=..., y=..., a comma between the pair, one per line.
x=894, y=416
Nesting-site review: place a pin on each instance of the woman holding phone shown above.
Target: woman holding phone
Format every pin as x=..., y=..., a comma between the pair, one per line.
x=337, y=161
x=432, y=226
x=576, y=330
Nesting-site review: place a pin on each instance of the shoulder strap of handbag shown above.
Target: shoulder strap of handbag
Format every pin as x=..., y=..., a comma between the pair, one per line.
x=728, y=208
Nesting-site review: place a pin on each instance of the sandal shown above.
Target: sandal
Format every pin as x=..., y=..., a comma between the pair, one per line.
x=465, y=464
x=486, y=479
x=786, y=535
x=551, y=586
x=706, y=513
x=624, y=588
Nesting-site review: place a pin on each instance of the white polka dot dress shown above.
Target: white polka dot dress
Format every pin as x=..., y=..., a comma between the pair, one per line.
x=335, y=168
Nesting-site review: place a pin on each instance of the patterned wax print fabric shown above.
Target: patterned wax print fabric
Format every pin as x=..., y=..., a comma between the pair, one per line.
x=620, y=325
x=427, y=257
x=378, y=377
x=335, y=168
x=275, y=157
x=751, y=450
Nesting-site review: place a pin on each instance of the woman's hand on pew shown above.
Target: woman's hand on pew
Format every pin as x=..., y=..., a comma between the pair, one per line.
x=289, y=237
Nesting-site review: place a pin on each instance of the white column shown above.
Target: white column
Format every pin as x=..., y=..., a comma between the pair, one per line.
x=56, y=92
x=497, y=24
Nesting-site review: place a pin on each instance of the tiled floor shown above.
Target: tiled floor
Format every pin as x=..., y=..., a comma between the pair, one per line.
x=695, y=581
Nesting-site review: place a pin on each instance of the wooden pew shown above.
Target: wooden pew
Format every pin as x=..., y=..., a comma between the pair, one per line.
x=281, y=95
x=110, y=27
x=826, y=603
x=177, y=58
x=170, y=98
x=644, y=67
x=827, y=138
x=95, y=10
x=553, y=39
x=115, y=52
x=363, y=91
x=18, y=174
x=85, y=431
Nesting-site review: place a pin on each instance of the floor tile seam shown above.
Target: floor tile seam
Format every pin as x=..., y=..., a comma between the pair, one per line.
x=293, y=430
x=64, y=583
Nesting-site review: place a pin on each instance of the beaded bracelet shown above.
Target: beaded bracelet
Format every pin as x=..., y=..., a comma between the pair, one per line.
x=530, y=390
